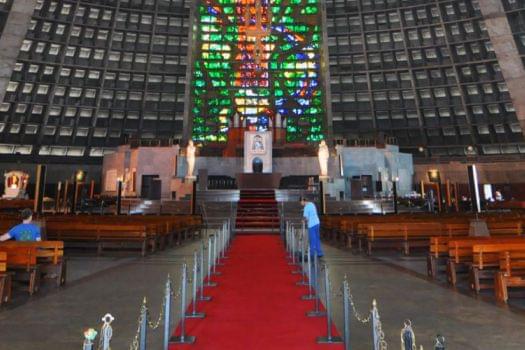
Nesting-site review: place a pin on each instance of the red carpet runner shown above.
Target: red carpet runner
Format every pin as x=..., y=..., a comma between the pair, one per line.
x=257, y=303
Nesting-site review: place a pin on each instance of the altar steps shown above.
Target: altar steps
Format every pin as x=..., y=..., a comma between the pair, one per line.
x=257, y=213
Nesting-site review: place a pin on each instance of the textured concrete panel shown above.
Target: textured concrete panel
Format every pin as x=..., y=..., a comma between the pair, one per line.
x=507, y=53
x=11, y=40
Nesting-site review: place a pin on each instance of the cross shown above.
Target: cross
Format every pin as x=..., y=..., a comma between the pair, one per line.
x=257, y=31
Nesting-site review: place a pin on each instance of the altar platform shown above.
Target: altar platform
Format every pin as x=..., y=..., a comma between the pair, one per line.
x=258, y=181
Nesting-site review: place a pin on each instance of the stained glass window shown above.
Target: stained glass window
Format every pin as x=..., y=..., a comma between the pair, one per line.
x=257, y=58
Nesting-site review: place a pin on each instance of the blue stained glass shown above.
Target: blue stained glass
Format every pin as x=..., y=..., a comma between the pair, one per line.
x=303, y=102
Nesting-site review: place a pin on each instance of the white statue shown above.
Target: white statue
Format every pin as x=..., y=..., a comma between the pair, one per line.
x=236, y=120
x=323, y=155
x=190, y=159
x=278, y=120
x=127, y=183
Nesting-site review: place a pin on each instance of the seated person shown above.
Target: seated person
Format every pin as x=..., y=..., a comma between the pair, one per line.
x=26, y=231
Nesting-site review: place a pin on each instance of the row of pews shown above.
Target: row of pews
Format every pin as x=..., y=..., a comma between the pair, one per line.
x=493, y=262
x=33, y=262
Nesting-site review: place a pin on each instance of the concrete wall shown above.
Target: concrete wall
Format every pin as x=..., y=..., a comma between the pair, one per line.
x=11, y=40
x=159, y=161
x=507, y=53
x=231, y=166
x=356, y=161
x=387, y=163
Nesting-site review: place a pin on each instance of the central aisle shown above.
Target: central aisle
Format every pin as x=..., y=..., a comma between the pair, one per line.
x=257, y=304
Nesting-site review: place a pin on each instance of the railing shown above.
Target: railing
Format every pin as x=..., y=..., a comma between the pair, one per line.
x=202, y=270
x=317, y=278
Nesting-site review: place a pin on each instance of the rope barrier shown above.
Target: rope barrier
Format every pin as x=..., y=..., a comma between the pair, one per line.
x=295, y=244
x=199, y=274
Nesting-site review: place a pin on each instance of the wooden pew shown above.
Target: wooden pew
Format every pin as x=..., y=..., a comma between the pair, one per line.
x=5, y=279
x=104, y=235
x=461, y=252
x=400, y=235
x=22, y=260
x=511, y=273
x=486, y=259
x=50, y=257
x=168, y=230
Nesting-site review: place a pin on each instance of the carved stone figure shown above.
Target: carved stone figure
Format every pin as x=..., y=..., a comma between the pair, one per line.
x=190, y=159
x=278, y=120
x=236, y=120
x=127, y=188
x=323, y=155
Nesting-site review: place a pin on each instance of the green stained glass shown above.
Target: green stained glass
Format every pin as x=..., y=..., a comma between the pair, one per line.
x=227, y=79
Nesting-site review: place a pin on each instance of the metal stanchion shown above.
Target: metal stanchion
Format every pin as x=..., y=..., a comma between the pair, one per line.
x=167, y=315
x=317, y=310
x=202, y=297
x=375, y=326
x=303, y=268
x=106, y=333
x=215, y=256
x=292, y=240
x=194, y=313
x=183, y=338
x=346, y=314
x=218, y=248
x=209, y=283
x=311, y=294
x=143, y=325
x=223, y=241
x=329, y=339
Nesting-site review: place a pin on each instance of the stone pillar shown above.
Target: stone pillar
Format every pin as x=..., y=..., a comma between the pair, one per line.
x=507, y=53
x=11, y=40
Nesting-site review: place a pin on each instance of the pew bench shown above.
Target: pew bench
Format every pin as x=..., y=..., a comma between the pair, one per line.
x=22, y=263
x=104, y=235
x=486, y=262
x=403, y=236
x=5, y=279
x=511, y=274
x=461, y=253
x=50, y=257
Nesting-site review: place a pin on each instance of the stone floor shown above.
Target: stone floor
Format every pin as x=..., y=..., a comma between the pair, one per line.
x=402, y=291
x=55, y=319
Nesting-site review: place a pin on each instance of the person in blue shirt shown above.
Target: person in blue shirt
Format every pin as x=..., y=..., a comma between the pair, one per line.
x=313, y=223
x=26, y=231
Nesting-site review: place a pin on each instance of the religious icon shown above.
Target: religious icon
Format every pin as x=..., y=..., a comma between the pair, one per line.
x=258, y=144
x=13, y=182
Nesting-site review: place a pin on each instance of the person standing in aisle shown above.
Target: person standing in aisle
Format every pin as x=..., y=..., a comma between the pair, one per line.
x=313, y=223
